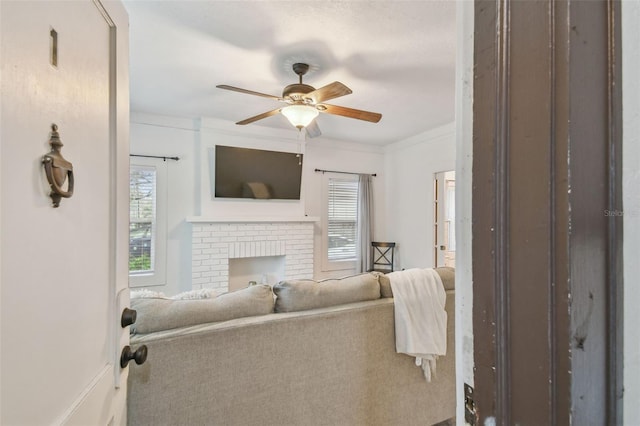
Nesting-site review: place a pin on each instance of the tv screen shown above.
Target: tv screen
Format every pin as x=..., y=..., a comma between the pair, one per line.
x=256, y=173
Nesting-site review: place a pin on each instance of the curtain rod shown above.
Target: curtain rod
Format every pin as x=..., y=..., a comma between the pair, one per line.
x=346, y=173
x=155, y=156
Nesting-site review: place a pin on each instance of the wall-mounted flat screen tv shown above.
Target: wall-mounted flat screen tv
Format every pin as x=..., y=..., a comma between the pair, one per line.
x=256, y=173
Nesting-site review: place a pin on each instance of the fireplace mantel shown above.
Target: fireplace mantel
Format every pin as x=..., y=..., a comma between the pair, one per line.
x=241, y=219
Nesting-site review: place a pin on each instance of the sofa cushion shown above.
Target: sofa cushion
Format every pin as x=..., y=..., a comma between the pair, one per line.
x=447, y=275
x=385, y=285
x=299, y=295
x=155, y=314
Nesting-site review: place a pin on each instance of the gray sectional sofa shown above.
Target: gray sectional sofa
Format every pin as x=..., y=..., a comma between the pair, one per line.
x=319, y=354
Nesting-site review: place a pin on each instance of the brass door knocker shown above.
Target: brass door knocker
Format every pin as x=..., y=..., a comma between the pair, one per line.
x=57, y=169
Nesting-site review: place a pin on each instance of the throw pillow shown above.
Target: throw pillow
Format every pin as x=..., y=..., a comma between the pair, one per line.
x=300, y=295
x=143, y=293
x=156, y=314
x=205, y=293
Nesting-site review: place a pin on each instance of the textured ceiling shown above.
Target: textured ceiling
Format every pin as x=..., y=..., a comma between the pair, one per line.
x=398, y=57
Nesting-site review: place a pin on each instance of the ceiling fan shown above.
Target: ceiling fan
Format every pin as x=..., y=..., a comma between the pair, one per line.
x=304, y=103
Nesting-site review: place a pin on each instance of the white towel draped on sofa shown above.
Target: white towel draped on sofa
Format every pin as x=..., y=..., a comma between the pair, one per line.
x=420, y=318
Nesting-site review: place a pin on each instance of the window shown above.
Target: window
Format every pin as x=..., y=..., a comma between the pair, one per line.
x=341, y=223
x=142, y=219
x=147, y=223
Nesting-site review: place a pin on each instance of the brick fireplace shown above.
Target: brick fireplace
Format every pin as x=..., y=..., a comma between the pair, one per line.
x=215, y=241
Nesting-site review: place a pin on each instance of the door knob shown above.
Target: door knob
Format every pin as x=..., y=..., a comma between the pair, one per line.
x=139, y=356
x=129, y=316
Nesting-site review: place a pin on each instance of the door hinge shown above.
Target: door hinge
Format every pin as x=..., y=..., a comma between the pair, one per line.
x=470, y=414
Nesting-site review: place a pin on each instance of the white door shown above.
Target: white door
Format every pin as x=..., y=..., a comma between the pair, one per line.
x=63, y=270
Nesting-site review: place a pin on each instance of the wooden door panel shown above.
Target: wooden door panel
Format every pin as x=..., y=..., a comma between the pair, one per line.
x=546, y=268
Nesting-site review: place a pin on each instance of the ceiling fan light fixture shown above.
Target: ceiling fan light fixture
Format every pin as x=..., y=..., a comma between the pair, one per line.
x=300, y=115
x=304, y=103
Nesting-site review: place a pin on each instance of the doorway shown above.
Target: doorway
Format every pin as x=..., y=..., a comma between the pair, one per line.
x=444, y=187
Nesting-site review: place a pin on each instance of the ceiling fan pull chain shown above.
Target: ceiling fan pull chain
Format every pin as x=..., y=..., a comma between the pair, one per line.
x=301, y=138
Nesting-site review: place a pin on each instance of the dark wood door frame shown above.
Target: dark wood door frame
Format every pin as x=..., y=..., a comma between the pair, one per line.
x=547, y=259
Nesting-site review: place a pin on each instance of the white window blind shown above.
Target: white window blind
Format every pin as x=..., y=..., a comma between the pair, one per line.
x=342, y=219
x=142, y=219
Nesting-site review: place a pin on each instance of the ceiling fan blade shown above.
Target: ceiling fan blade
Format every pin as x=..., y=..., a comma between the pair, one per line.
x=359, y=114
x=248, y=92
x=313, y=130
x=259, y=117
x=330, y=91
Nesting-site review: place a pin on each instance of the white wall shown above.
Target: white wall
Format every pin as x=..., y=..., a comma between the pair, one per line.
x=172, y=137
x=189, y=192
x=410, y=167
x=631, y=202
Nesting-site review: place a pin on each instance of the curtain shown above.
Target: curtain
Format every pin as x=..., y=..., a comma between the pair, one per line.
x=365, y=222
